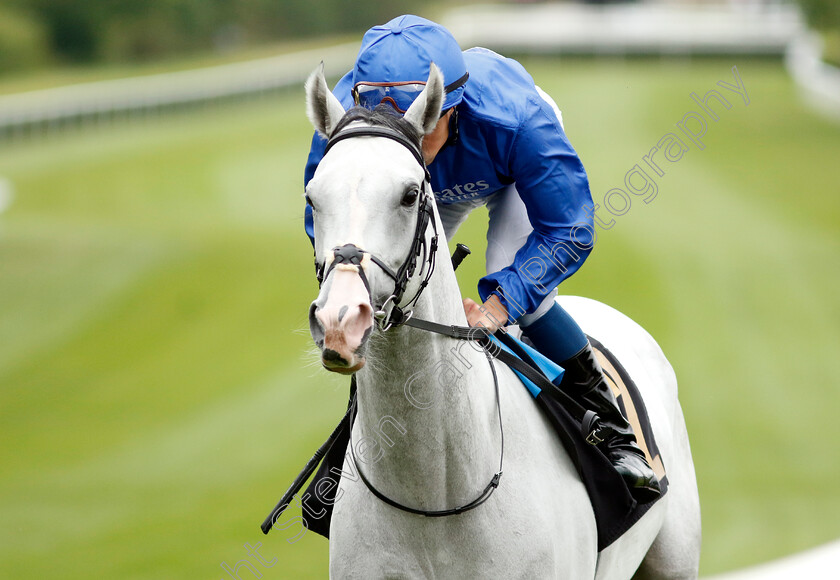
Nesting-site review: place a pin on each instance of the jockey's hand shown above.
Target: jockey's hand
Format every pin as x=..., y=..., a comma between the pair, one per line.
x=492, y=315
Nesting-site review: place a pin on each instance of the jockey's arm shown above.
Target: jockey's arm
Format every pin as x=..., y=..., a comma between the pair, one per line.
x=553, y=185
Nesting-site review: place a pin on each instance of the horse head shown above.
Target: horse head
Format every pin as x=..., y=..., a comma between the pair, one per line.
x=371, y=204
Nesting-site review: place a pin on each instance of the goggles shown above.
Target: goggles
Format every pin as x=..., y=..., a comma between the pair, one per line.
x=399, y=95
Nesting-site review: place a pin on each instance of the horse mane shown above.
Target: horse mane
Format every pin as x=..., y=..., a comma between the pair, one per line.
x=383, y=115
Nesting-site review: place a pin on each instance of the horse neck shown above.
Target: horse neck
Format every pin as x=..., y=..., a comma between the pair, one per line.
x=427, y=407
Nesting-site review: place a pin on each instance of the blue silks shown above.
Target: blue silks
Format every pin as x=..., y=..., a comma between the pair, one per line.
x=553, y=371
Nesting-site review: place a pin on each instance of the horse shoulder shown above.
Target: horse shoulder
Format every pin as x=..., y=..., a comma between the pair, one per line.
x=541, y=483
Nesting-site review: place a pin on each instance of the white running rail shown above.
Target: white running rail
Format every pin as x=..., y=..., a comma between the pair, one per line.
x=821, y=563
x=39, y=112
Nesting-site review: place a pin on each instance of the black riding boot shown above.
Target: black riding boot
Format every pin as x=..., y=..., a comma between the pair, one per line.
x=584, y=380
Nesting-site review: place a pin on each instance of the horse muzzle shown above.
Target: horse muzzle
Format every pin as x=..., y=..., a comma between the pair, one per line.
x=341, y=320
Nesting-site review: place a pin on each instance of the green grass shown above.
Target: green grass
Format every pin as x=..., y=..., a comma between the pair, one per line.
x=157, y=391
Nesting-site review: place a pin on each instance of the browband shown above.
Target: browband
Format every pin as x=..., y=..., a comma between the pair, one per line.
x=376, y=131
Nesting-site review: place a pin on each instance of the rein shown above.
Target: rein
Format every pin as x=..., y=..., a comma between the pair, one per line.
x=483, y=497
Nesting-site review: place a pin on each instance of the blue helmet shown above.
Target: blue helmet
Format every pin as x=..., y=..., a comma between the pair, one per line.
x=393, y=63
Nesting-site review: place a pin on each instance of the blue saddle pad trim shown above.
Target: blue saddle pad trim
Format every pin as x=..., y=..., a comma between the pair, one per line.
x=552, y=370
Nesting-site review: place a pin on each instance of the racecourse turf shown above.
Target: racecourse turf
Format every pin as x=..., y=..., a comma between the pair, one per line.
x=158, y=390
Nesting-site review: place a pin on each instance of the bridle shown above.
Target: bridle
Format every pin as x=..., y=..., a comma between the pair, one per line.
x=393, y=312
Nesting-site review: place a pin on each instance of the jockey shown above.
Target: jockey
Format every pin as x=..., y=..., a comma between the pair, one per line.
x=500, y=142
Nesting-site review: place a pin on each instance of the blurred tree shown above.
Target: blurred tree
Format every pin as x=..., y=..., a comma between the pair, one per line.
x=151, y=29
x=822, y=14
x=72, y=26
x=23, y=40
x=146, y=29
x=270, y=19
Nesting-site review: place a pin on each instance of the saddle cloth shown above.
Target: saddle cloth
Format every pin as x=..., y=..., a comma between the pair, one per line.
x=615, y=509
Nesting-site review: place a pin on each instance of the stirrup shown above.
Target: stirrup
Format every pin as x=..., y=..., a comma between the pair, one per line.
x=593, y=431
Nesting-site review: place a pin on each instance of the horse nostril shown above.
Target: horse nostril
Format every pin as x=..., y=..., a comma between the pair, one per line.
x=331, y=356
x=315, y=328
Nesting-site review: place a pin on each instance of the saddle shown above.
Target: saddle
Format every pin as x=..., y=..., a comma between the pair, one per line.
x=615, y=509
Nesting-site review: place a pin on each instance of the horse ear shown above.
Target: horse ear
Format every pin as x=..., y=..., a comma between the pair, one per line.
x=424, y=112
x=322, y=107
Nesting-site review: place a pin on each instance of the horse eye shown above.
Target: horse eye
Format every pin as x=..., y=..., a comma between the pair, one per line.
x=410, y=197
x=309, y=201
